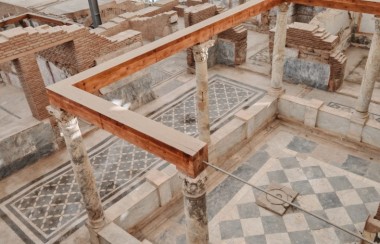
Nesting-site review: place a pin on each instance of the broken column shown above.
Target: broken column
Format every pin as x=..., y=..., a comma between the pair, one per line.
x=194, y=191
x=371, y=73
x=200, y=56
x=279, y=50
x=84, y=175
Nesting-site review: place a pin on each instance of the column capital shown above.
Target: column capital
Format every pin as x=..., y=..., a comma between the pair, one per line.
x=283, y=7
x=200, y=51
x=61, y=115
x=194, y=187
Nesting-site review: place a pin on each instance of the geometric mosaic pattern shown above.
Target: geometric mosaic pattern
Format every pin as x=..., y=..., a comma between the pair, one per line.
x=343, y=195
x=351, y=110
x=260, y=58
x=168, y=68
x=335, y=194
x=53, y=203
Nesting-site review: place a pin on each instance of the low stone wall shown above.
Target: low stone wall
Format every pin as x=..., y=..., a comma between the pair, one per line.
x=154, y=27
x=314, y=113
x=26, y=147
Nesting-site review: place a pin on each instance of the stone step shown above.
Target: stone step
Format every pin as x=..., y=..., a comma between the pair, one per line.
x=114, y=234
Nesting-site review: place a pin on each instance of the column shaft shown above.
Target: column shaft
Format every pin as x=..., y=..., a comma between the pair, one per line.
x=200, y=57
x=80, y=163
x=371, y=73
x=194, y=191
x=279, y=49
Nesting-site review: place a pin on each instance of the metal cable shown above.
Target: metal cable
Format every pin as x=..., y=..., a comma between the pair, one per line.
x=290, y=203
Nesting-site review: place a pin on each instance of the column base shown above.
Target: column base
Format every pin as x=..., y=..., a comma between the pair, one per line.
x=93, y=228
x=276, y=92
x=356, y=126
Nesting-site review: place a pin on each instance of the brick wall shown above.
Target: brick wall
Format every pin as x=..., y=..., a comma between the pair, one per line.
x=237, y=35
x=33, y=85
x=71, y=46
x=194, y=15
x=11, y=10
x=316, y=44
x=152, y=27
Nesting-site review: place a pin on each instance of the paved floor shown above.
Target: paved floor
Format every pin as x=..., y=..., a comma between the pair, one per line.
x=51, y=207
x=344, y=189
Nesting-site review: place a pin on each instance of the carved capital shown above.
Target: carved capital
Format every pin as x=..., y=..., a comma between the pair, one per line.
x=194, y=187
x=63, y=117
x=200, y=51
x=283, y=7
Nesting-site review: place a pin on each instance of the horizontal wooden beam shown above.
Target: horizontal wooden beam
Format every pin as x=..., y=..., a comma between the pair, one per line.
x=369, y=7
x=185, y=152
x=131, y=62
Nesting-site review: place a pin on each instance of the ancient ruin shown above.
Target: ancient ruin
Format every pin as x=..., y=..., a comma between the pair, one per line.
x=192, y=121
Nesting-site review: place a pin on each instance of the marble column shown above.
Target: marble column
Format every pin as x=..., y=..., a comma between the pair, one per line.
x=200, y=56
x=84, y=175
x=194, y=191
x=278, y=59
x=371, y=73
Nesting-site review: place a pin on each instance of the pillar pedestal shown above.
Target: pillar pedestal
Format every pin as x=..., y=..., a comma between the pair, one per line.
x=194, y=191
x=200, y=56
x=82, y=169
x=278, y=59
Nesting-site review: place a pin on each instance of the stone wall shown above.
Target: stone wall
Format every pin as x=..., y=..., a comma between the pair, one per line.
x=317, y=48
x=194, y=15
x=154, y=27
x=238, y=36
x=25, y=147
x=304, y=13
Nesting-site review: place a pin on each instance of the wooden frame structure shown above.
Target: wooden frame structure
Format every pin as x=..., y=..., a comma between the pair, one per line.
x=76, y=94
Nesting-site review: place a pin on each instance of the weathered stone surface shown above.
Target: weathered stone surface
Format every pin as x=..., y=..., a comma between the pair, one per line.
x=194, y=191
x=307, y=72
x=225, y=52
x=25, y=148
x=273, y=204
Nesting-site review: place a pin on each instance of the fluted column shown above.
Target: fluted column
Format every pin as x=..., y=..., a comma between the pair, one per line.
x=200, y=56
x=278, y=59
x=371, y=73
x=84, y=175
x=194, y=191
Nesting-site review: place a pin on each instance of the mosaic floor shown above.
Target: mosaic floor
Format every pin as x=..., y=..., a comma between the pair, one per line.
x=343, y=191
x=50, y=207
x=260, y=58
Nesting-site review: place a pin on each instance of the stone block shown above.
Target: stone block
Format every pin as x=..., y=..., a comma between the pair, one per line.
x=162, y=182
x=225, y=139
x=371, y=133
x=356, y=128
x=258, y=114
x=113, y=234
x=292, y=107
x=225, y=52
x=139, y=204
x=311, y=73
x=311, y=112
x=333, y=120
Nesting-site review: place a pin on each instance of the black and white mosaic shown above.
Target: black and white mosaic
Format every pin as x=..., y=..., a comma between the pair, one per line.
x=260, y=58
x=50, y=207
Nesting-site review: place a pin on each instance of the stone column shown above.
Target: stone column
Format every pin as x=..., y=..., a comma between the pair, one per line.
x=200, y=56
x=371, y=73
x=194, y=191
x=84, y=175
x=278, y=59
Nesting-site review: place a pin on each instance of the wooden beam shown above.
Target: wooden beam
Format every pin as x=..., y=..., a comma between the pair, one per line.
x=369, y=7
x=131, y=62
x=185, y=152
